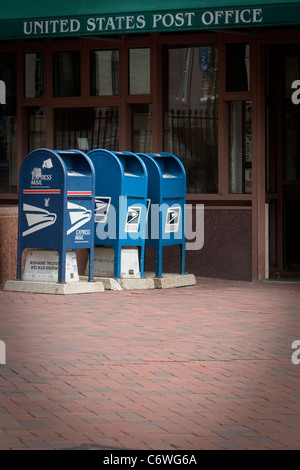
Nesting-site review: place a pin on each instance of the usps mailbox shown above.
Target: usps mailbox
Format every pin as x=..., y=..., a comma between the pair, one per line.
x=167, y=193
x=56, y=205
x=120, y=203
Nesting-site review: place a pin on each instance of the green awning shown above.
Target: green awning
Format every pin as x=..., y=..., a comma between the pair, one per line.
x=31, y=19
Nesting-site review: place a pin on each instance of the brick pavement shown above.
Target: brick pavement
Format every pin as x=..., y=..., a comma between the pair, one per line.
x=204, y=367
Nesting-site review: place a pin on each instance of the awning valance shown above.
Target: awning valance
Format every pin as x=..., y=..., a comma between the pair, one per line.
x=30, y=19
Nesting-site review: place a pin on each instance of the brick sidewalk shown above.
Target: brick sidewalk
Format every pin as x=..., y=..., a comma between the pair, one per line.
x=204, y=367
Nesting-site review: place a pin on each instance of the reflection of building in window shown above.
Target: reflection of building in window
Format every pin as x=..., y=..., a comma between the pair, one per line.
x=139, y=71
x=3, y=142
x=37, y=128
x=66, y=73
x=105, y=73
x=8, y=123
x=34, y=75
x=182, y=95
x=240, y=147
x=88, y=127
x=142, y=128
x=208, y=59
x=190, y=124
x=237, y=67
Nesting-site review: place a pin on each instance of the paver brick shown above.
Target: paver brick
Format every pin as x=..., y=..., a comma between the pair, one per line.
x=204, y=367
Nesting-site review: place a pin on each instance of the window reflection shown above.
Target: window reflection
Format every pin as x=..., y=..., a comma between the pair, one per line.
x=8, y=124
x=139, y=71
x=36, y=128
x=190, y=118
x=240, y=147
x=66, y=74
x=86, y=128
x=291, y=122
x=237, y=67
x=34, y=75
x=142, y=128
x=104, y=73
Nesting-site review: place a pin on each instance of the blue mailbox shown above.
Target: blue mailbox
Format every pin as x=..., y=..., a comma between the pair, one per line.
x=121, y=203
x=56, y=205
x=167, y=193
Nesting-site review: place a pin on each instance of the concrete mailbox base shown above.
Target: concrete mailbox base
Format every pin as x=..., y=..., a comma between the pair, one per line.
x=80, y=287
x=168, y=281
x=130, y=276
x=41, y=276
x=83, y=286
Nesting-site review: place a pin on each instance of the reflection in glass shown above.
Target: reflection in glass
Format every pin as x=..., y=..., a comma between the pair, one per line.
x=66, y=73
x=104, y=73
x=139, y=71
x=291, y=229
x=240, y=147
x=37, y=128
x=142, y=128
x=86, y=128
x=8, y=124
x=190, y=116
x=34, y=75
x=291, y=123
x=237, y=67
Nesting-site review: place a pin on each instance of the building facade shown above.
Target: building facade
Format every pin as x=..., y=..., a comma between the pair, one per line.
x=217, y=85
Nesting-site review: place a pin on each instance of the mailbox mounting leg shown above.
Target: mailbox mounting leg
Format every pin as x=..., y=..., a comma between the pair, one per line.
x=158, y=260
x=62, y=266
x=142, y=261
x=183, y=259
x=91, y=264
x=117, y=261
x=19, y=265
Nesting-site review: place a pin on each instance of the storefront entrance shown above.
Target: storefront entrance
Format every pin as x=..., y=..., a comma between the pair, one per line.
x=283, y=159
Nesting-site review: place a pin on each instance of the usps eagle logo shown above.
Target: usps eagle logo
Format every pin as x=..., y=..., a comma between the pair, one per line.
x=37, y=218
x=79, y=216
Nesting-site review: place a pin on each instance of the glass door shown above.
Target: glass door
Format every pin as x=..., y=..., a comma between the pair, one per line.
x=283, y=169
x=290, y=178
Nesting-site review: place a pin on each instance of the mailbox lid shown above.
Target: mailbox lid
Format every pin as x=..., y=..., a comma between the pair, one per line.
x=154, y=178
x=80, y=173
x=173, y=175
x=134, y=175
x=42, y=169
x=108, y=174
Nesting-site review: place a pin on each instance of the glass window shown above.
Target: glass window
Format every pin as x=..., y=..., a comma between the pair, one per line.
x=240, y=147
x=237, y=67
x=142, y=128
x=104, y=73
x=34, y=75
x=66, y=74
x=190, y=116
x=139, y=71
x=291, y=231
x=8, y=124
x=36, y=128
x=291, y=122
x=86, y=128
